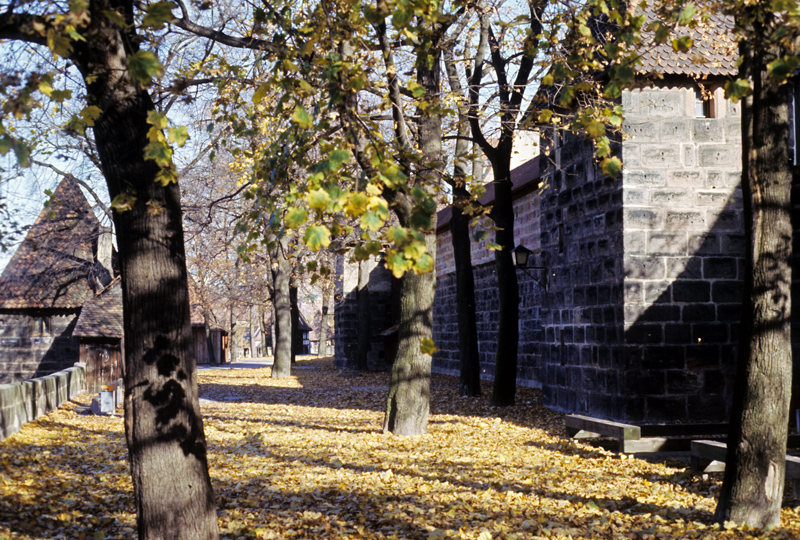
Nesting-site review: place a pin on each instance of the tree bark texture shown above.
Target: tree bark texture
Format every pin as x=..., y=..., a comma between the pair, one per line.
x=262, y=326
x=212, y=359
x=364, y=326
x=163, y=425
x=752, y=488
x=281, y=276
x=408, y=403
x=505, y=375
x=470, y=376
x=323, y=325
x=297, y=342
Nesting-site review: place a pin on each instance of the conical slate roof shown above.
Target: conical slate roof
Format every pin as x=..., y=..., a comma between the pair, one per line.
x=54, y=267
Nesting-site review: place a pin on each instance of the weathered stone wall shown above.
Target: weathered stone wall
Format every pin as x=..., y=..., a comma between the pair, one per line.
x=23, y=402
x=581, y=222
x=445, y=316
x=684, y=254
x=23, y=356
x=445, y=325
x=346, y=314
x=642, y=312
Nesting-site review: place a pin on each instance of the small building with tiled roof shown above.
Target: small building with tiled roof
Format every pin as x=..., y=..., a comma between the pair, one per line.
x=64, y=260
x=100, y=332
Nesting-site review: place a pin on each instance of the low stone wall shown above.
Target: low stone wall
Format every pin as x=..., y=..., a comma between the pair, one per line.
x=26, y=401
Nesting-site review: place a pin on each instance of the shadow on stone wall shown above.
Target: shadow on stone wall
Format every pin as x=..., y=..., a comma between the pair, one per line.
x=679, y=352
x=383, y=309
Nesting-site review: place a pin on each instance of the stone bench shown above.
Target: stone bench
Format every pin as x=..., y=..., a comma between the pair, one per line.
x=709, y=456
x=585, y=427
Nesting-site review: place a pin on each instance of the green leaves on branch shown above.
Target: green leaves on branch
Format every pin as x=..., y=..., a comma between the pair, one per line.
x=737, y=89
x=158, y=15
x=295, y=217
x=317, y=237
x=782, y=68
x=159, y=149
x=302, y=118
x=408, y=252
x=144, y=66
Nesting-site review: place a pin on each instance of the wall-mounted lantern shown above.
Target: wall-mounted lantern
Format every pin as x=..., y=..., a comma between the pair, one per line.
x=521, y=257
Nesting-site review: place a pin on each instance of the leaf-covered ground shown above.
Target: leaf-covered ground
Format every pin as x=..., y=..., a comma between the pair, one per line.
x=304, y=457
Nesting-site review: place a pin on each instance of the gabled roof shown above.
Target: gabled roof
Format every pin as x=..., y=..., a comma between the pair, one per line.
x=101, y=316
x=303, y=326
x=54, y=267
x=713, y=52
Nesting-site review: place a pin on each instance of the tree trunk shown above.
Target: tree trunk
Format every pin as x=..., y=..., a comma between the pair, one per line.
x=233, y=342
x=262, y=326
x=297, y=341
x=252, y=335
x=163, y=425
x=364, y=326
x=408, y=404
x=212, y=359
x=323, y=325
x=752, y=488
x=281, y=274
x=505, y=375
x=470, y=380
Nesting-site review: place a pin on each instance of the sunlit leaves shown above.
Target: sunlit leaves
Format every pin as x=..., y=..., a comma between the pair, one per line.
x=427, y=346
x=318, y=200
x=302, y=118
x=321, y=467
x=296, y=217
x=682, y=44
x=612, y=166
x=123, y=202
x=317, y=237
x=737, y=89
x=178, y=135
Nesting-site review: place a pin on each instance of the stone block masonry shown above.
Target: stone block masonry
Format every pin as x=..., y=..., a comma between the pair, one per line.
x=644, y=328
x=23, y=402
x=683, y=263
x=445, y=325
x=581, y=313
x=445, y=317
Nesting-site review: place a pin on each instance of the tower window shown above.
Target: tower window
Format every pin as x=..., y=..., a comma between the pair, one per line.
x=40, y=326
x=703, y=103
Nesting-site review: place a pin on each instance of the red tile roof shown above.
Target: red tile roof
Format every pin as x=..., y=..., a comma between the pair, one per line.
x=54, y=267
x=714, y=51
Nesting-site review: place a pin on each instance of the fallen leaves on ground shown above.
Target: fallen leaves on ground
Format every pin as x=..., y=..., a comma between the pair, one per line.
x=304, y=457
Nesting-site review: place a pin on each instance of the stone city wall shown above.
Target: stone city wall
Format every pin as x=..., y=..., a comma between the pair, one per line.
x=24, y=402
